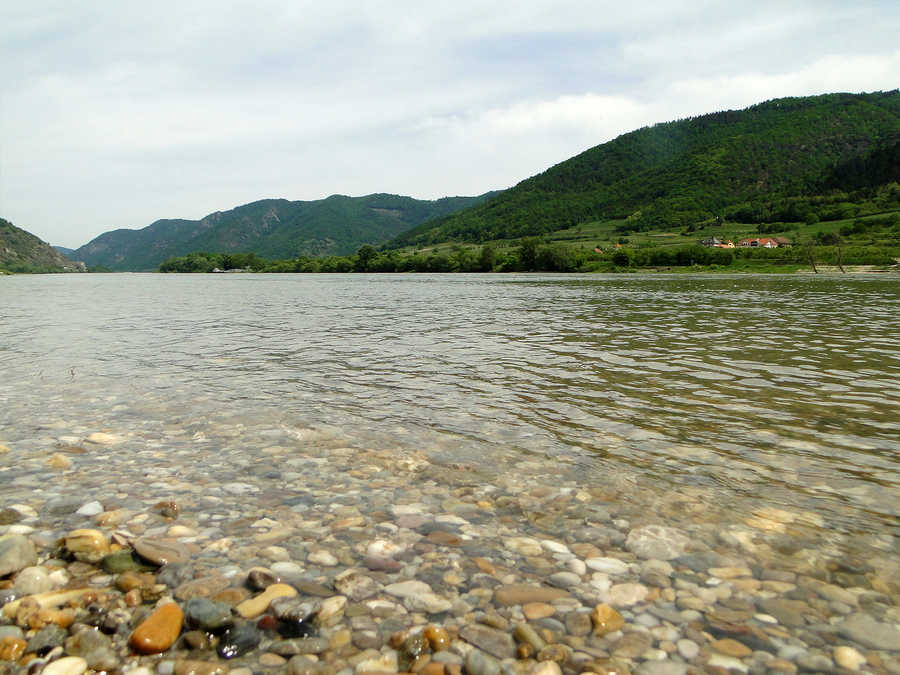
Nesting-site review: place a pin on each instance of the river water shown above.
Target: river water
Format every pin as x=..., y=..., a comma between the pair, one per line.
x=747, y=392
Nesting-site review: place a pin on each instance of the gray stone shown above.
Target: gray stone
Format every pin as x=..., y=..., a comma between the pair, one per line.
x=662, y=668
x=657, y=541
x=564, y=579
x=865, y=630
x=355, y=585
x=45, y=639
x=161, y=551
x=207, y=615
x=479, y=663
x=492, y=641
x=16, y=553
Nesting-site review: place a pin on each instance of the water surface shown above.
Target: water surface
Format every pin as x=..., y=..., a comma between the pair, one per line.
x=755, y=391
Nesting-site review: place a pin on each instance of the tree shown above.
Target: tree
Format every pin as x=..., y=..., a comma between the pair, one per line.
x=364, y=256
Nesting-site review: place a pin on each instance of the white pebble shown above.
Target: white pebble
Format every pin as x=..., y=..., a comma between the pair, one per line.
x=90, y=509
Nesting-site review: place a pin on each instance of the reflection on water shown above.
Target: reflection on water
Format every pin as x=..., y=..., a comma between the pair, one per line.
x=775, y=390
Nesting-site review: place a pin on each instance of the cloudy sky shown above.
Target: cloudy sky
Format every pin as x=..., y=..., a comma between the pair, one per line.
x=115, y=114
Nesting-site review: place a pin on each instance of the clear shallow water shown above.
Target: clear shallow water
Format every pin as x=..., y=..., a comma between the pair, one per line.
x=778, y=392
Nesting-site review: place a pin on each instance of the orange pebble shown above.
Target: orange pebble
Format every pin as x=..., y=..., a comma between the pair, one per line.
x=158, y=631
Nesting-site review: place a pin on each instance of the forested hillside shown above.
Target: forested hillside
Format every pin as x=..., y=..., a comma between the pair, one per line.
x=790, y=159
x=22, y=252
x=275, y=228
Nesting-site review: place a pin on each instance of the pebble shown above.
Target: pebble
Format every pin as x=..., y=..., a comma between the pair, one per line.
x=255, y=606
x=158, y=631
x=16, y=552
x=848, y=657
x=865, y=630
x=69, y=665
x=606, y=619
x=657, y=541
x=161, y=551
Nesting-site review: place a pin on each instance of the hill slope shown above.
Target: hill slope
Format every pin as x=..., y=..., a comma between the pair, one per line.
x=21, y=251
x=680, y=173
x=272, y=228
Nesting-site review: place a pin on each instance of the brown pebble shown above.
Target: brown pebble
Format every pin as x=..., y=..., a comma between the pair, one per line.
x=485, y=566
x=453, y=668
x=606, y=619
x=731, y=647
x=437, y=637
x=191, y=667
x=433, y=668
x=127, y=581
x=133, y=597
x=537, y=610
x=158, y=631
x=11, y=648
x=232, y=596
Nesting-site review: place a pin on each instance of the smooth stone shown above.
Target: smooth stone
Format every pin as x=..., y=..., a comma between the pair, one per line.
x=606, y=620
x=537, y=610
x=45, y=639
x=612, y=566
x=195, y=667
x=331, y=612
x=90, y=509
x=102, y=438
x=731, y=647
x=158, y=631
x=68, y=665
x=788, y=612
x=564, y=579
x=578, y=623
x=662, y=668
x=253, y=607
x=161, y=551
x=525, y=633
x=688, y=649
x=816, y=663
x=87, y=545
x=205, y=614
x=848, y=657
x=657, y=541
x=124, y=561
x=32, y=580
x=625, y=595
x=16, y=553
x=494, y=642
x=519, y=594
x=524, y=546
x=868, y=632
x=238, y=640
x=545, y=668
x=727, y=662
x=324, y=558
x=355, y=585
x=632, y=645
x=479, y=663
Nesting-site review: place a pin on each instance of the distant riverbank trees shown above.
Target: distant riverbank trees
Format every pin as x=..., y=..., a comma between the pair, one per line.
x=538, y=255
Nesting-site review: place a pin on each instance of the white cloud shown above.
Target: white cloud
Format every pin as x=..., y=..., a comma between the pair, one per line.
x=113, y=115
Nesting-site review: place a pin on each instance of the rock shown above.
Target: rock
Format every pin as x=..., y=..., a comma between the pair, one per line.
x=788, y=612
x=868, y=632
x=207, y=615
x=385, y=663
x=255, y=606
x=688, y=649
x=101, y=438
x=564, y=579
x=332, y=609
x=545, y=668
x=848, y=657
x=305, y=645
x=238, y=640
x=438, y=638
x=525, y=633
x=324, y=558
x=537, y=610
x=158, y=631
x=194, y=667
x=32, y=580
x=479, y=663
x=87, y=545
x=11, y=648
x=9, y=516
x=45, y=639
x=657, y=541
x=731, y=647
x=662, y=668
x=260, y=578
x=632, y=645
x=524, y=546
x=492, y=641
x=59, y=461
x=625, y=595
x=124, y=561
x=161, y=551
x=355, y=585
x=418, y=596
x=612, y=566
x=578, y=623
x=16, y=553
x=68, y=665
x=90, y=509
x=519, y=594
x=729, y=663
x=606, y=620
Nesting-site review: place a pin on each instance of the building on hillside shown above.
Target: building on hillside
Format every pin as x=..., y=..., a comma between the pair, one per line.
x=714, y=242
x=783, y=241
x=759, y=242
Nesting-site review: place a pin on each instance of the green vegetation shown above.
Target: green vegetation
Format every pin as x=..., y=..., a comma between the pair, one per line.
x=23, y=253
x=807, y=160
x=274, y=228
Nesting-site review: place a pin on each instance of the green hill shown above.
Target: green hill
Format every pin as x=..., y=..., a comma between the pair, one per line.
x=21, y=251
x=272, y=228
x=786, y=160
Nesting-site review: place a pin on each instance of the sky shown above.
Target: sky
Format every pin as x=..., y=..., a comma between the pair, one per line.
x=115, y=114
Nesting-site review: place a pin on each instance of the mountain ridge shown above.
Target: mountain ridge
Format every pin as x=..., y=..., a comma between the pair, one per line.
x=686, y=171
x=21, y=251
x=276, y=228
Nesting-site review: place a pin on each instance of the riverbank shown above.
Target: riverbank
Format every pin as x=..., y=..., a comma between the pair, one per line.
x=297, y=551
